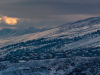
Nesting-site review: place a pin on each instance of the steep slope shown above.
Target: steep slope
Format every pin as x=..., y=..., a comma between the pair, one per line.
x=71, y=36
x=78, y=44
x=26, y=37
x=69, y=30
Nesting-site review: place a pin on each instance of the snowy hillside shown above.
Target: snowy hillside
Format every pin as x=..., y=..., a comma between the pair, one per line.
x=68, y=30
x=71, y=36
x=68, y=66
x=70, y=49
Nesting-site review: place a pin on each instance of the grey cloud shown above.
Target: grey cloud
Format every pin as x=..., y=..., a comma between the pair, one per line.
x=46, y=12
x=42, y=8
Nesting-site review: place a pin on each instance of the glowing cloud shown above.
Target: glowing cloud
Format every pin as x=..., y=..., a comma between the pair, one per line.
x=9, y=20
x=12, y=20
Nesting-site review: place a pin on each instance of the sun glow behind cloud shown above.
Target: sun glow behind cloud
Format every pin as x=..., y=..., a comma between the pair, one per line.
x=9, y=20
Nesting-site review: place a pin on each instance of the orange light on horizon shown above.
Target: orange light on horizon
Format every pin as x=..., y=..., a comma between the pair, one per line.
x=10, y=20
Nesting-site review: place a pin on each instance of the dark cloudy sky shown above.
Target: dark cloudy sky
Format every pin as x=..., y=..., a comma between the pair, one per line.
x=45, y=13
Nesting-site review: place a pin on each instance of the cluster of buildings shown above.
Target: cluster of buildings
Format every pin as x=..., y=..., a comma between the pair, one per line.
x=33, y=56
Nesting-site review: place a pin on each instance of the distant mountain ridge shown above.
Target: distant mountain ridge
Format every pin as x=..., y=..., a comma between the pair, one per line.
x=7, y=32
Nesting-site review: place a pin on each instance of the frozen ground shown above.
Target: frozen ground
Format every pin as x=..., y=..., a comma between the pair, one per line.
x=67, y=66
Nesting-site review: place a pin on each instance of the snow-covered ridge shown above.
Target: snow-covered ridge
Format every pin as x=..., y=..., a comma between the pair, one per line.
x=69, y=30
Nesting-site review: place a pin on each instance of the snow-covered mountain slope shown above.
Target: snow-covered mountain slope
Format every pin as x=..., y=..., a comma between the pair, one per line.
x=58, y=44
x=84, y=33
x=77, y=43
x=72, y=66
x=26, y=37
x=69, y=30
